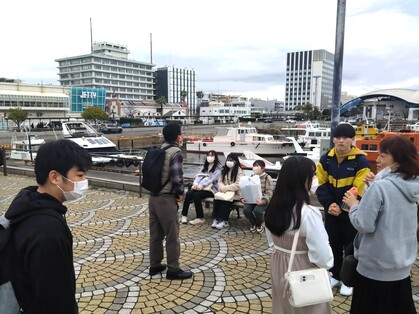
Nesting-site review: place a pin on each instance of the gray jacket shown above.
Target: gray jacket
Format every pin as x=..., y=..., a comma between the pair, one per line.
x=386, y=220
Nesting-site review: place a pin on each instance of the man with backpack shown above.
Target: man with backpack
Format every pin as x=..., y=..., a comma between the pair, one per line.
x=41, y=246
x=163, y=205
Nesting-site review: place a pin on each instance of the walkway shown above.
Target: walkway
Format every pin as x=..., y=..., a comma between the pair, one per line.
x=110, y=229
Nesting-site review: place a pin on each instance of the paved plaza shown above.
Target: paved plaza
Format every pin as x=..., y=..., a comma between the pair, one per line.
x=110, y=227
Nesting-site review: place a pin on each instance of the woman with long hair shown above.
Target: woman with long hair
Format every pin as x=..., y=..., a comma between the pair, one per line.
x=229, y=181
x=204, y=185
x=288, y=211
x=386, y=221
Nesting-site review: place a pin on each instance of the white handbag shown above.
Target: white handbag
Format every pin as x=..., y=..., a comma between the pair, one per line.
x=307, y=286
x=224, y=196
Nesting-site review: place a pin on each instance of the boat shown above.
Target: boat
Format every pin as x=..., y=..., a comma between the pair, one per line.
x=102, y=150
x=241, y=138
x=299, y=131
x=372, y=145
x=313, y=136
x=414, y=127
x=26, y=148
x=366, y=130
x=313, y=154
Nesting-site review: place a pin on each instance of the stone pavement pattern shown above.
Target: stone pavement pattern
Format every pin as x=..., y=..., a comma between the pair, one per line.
x=110, y=228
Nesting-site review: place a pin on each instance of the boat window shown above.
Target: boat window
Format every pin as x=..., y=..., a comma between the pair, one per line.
x=373, y=147
x=364, y=147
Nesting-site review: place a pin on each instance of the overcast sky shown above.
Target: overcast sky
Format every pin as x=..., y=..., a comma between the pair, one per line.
x=235, y=47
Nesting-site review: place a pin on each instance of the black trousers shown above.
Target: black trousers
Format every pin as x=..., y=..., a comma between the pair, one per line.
x=196, y=197
x=341, y=234
x=384, y=297
x=221, y=210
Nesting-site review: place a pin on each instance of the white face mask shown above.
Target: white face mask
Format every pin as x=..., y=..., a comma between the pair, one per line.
x=314, y=185
x=257, y=170
x=230, y=164
x=80, y=188
x=383, y=172
x=210, y=159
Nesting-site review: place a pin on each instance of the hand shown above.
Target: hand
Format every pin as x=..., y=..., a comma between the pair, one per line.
x=222, y=189
x=350, y=199
x=369, y=178
x=199, y=187
x=334, y=210
x=243, y=200
x=194, y=187
x=180, y=198
x=259, y=202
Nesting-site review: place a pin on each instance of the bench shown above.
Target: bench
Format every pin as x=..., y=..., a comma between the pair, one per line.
x=236, y=205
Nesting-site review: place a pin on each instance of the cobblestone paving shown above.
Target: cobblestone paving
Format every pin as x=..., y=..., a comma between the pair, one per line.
x=110, y=228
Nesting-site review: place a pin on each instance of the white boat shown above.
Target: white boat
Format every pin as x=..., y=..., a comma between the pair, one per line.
x=313, y=136
x=103, y=150
x=27, y=148
x=241, y=138
x=313, y=154
x=414, y=127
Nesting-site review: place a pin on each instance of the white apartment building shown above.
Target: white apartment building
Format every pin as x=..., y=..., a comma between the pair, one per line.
x=309, y=79
x=109, y=67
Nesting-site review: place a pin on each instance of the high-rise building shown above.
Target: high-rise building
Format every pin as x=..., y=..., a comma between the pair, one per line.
x=108, y=67
x=171, y=82
x=309, y=79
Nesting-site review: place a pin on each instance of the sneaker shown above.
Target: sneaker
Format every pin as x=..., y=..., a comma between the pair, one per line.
x=178, y=275
x=346, y=291
x=184, y=220
x=222, y=224
x=197, y=221
x=253, y=228
x=334, y=282
x=260, y=229
x=214, y=223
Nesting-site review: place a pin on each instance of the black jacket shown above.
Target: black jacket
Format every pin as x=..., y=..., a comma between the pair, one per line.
x=43, y=274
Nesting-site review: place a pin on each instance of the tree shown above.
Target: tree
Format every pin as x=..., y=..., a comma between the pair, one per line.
x=94, y=113
x=17, y=115
x=162, y=101
x=183, y=95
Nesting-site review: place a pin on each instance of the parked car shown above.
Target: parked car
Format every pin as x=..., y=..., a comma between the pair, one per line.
x=109, y=128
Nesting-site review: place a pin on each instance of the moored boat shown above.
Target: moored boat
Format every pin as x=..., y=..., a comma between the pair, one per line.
x=372, y=145
x=241, y=138
x=26, y=148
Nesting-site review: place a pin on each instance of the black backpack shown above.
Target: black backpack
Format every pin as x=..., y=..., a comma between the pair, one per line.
x=8, y=302
x=152, y=169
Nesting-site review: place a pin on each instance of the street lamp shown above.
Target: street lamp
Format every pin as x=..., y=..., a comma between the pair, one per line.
x=113, y=115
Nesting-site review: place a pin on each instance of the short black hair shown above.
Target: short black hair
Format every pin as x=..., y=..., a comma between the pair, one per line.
x=171, y=131
x=344, y=130
x=60, y=155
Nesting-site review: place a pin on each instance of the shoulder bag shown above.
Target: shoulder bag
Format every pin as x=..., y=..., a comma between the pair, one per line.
x=307, y=286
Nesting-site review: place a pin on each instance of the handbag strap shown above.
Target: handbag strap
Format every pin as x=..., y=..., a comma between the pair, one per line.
x=294, y=242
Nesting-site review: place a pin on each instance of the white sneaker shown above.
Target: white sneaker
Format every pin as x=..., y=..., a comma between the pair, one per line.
x=346, y=291
x=214, y=223
x=222, y=224
x=197, y=221
x=334, y=282
x=184, y=220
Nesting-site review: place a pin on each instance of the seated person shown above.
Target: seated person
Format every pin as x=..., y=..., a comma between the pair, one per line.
x=229, y=181
x=204, y=185
x=255, y=212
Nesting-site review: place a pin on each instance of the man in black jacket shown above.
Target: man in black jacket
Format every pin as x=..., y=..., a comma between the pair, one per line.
x=43, y=274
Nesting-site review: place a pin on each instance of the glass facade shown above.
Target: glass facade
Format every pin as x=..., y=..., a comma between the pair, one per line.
x=82, y=97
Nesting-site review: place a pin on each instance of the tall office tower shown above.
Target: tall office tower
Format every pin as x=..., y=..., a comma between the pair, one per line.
x=171, y=82
x=309, y=79
x=108, y=66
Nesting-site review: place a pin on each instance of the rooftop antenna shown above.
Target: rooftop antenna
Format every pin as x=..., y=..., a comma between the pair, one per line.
x=91, y=37
x=151, y=48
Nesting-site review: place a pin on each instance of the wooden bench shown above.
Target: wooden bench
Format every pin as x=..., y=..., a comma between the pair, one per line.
x=236, y=205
